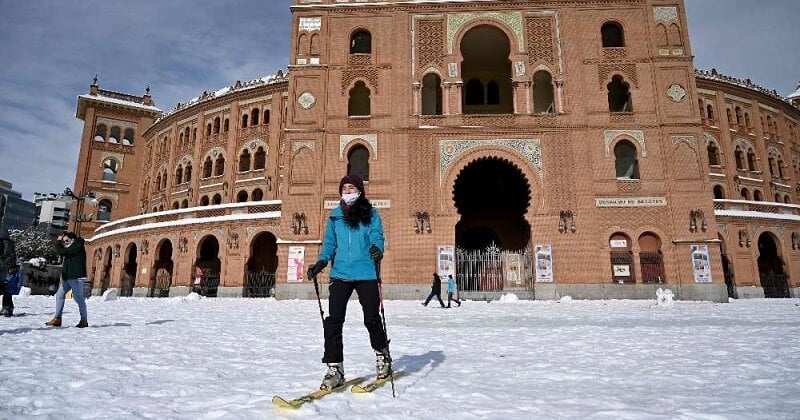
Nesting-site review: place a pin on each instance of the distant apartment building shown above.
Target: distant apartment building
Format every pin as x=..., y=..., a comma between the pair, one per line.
x=15, y=212
x=53, y=210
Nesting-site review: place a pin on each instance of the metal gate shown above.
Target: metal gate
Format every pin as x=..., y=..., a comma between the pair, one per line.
x=160, y=284
x=622, y=267
x=259, y=284
x=209, y=284
x=775, y=285
x=492, y=269
x=652, y=265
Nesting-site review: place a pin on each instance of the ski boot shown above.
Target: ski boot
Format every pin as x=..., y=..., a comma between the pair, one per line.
x=383, y=363
x=334, y=377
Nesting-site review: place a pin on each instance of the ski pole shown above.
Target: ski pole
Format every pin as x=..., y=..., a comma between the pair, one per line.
x=383, y=320
x=319, y=302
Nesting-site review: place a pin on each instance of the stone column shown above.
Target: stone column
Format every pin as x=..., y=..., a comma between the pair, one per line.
x=559, y=96
x=459, y=88
x=416, y=89
x=446, y=98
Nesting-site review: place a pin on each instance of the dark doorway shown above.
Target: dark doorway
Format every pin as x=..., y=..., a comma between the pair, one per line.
x=261, y=266
x=770, y=268
x=161, y=274
x=209, y=264
x=486, y=70
x=129, y=270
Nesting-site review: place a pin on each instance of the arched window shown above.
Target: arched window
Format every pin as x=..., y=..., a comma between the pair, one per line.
x=260, y=158
x=757, y=196
x=244, y=121
x=208, y=166
x=266, y=116
x=100, y=133
x=208, y=129
x=104, y=210
x=186, y=133
x=771, y=164
x=187, y=173
x=361, y=42
x=662, y=39
x=787, y=200
x=219, y=166
x=719, y=192
x=739, y=118
x=184, y=203
x=180, y=141
x=431, y=94
x=713, y=154
x=747, y=123
x=161, y=208
x=226, y=125
x=619, y=96
x=474, y=93
x=244, y=161
x=254, y=116
x=543, y=93
x=612, y=35
x=194, y=134
x=358, y=162
x=492, y=93
x=155, y=209
x=241, y=197
x=627, y=166
x=164, y=180
x=179, y=175
x=710, y=113
x=730, y=116
x=216, y=125
x=217, y=199
x=257, y=195
x=127, y=138
x=751, y=160
x=115, y=135
x=740, y=159
x=745, y=194
x=109, y=170
x=359, y=102
x=204, y=201
x=157, y=184
x=175, y=205
x=675, y=36
x=780, y=164
x=778, y=198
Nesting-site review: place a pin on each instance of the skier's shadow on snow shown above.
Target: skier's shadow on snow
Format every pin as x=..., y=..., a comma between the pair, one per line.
x=159, y=322
x=412, y=364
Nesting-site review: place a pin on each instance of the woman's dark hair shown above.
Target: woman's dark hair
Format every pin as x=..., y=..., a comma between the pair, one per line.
x=358, y=212
x=70, y=235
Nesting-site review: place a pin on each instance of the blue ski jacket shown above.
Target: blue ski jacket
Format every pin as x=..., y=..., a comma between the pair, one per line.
x=13, y=283
x=348, y=247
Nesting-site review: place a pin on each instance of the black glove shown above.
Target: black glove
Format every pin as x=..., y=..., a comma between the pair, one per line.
x=316, y=268
x=375, y=253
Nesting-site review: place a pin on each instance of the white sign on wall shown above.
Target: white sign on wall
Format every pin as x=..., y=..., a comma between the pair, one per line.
x=544, y=263
x=631, y=202
x=700, y=264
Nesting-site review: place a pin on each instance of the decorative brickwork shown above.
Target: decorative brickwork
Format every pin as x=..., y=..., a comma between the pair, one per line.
x=430, y=44
x=421, y=165
x=560, y=173
x=606, y=70
x=539, y=33
x=369, y=75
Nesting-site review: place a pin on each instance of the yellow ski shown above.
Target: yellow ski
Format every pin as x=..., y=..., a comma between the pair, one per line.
x=297, y=402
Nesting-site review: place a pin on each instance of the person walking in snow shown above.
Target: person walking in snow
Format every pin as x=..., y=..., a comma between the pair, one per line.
x=354, y=241
x=451, y=291
x=11, y=287
x=8, y=254
x=436, y=290
x=73, y=275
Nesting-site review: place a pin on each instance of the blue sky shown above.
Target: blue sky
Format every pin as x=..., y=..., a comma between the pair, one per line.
x=52, y=50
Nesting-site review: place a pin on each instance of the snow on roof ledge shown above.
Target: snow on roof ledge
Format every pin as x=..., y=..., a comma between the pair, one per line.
x=116, y=101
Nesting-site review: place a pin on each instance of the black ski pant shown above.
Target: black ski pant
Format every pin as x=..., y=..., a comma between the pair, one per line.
x=8, y=300
x=340, y=292
x=450, y=297
x=438, y=296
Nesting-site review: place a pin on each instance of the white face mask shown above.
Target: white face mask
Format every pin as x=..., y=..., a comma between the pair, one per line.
x=67, y=242
x=350, y=198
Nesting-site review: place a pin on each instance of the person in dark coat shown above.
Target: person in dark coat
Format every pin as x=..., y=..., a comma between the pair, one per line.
x=436, y=290
x=8, y=255
x=11, y=287
x=73, y=275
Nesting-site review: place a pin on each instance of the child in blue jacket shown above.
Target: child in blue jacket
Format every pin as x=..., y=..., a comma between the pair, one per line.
x=11, y=287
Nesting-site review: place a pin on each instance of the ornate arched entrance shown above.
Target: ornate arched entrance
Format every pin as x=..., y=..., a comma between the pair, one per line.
x=209, y=264
x=770, y=268
x=261, y=266
x=161, y=274
x=493, y=237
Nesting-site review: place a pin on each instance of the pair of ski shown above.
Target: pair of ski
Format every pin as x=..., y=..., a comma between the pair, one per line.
x=354, y=384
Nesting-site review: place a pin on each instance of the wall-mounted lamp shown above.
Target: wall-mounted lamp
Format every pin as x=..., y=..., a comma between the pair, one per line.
x=233, y=240
x=98, y=254
x=422, y=222
x=145, y=245
x=744, y=239
x=299, y=224
x=116, y=250
x=183, y=245
x=795, y=241
x=566, y=221
x=696, y=216
x=269, y=182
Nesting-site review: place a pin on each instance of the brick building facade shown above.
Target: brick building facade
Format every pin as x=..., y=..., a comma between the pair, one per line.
x=557, y=148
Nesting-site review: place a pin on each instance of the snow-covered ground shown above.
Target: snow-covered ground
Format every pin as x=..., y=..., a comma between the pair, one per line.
x=226, y=358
